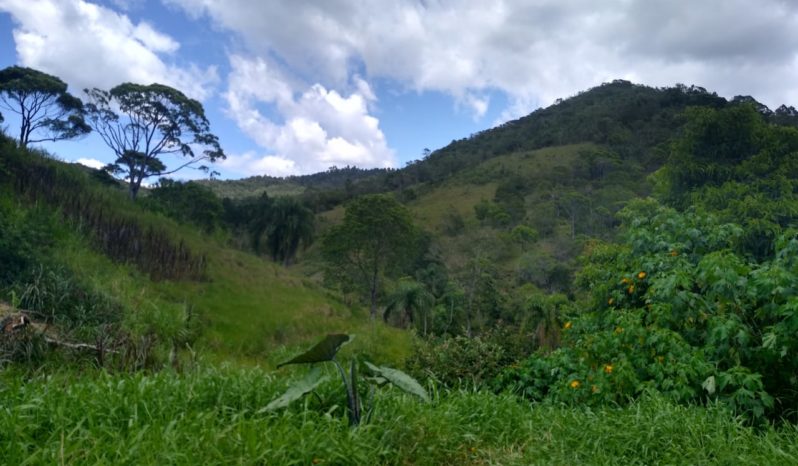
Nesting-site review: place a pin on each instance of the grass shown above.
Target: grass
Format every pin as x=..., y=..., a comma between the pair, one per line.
x=213, y=416
x=248, y=306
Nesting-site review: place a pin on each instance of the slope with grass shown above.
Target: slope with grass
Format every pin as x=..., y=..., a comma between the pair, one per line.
x=229, y=303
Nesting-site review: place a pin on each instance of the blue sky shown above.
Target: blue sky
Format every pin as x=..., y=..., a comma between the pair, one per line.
x=296, y=87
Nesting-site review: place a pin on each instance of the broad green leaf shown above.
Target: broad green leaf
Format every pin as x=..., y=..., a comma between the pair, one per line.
x=324, y=350
x=302, y=387
x=400, y=379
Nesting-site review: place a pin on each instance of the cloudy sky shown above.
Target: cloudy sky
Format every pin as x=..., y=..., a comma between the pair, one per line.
x=295, y=87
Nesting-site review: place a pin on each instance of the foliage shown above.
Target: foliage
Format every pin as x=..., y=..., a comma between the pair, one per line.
x=186, y=202
x=376, y=238
x=469, y=362
x=122, y=233
x=212, y=416
x=733, y=163
x=410, y=299
x=325, y=351
x=676, y=310
x=140, y=124
x=286, y=225
x=43, y=105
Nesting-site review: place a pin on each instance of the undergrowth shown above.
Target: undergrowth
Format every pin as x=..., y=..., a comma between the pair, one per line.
x=215, y=416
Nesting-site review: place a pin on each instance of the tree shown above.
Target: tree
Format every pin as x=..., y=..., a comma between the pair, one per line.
x=287, y=224
x=142, y=123
x=43, y=105
x=410, y=298
x=376, y=237
x=186, y=202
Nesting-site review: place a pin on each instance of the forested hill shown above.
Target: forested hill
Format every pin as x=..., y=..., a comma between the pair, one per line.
x=632, y=120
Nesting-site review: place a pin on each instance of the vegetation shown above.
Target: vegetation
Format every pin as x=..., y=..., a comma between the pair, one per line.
x=216, y=416
x=610, y=279
x=43, y=105
x=375, y=238
x=142, y=123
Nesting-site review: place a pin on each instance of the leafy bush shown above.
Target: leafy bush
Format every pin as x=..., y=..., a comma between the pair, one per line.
x=462, y=361
x=676, y=310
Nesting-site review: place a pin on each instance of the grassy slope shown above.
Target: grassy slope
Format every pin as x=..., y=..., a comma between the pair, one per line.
x=247, y=306
x=214, y=417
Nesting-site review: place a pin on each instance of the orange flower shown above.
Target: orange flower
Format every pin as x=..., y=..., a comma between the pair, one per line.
x=625, y=280
x=674, y=253
x=608, y=368
x=575, y=384
x=660, y=359
x=567, y=325
x=631, y=289
x=641, y=275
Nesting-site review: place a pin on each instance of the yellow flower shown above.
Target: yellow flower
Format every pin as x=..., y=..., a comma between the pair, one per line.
x=626, y=280
x=608, y=368
x=641, y=275
x=575, y=384
x=610, y=301
x=567, y=325
x=674, y=253
x=618, y=330
x=631, y=289
x=594, y=389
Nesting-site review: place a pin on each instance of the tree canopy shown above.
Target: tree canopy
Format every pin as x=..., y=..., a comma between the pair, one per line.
x=47, y=112
x=142, y=123
x=376, y=237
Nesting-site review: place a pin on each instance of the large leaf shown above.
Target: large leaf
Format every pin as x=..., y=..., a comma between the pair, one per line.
x=400, y=379
x=302, y=387
x=324, y=350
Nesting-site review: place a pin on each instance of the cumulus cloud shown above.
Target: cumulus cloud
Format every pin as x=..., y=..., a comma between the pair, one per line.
x=89, y=45
x=312, y=130
x=533, y=51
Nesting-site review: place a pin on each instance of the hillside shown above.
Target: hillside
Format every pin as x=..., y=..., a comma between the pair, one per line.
x=66, y=234
x=611, y=278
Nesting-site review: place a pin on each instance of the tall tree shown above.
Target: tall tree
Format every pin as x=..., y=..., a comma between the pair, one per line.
x=143, y=123
x=287, y=225
x=376, y=237
x=43, y=105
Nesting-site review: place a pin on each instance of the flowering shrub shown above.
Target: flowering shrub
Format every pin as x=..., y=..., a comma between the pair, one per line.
x=677, y=309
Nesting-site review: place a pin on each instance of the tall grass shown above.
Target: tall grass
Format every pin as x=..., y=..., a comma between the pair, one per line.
x=119, y=229
x=213, y=416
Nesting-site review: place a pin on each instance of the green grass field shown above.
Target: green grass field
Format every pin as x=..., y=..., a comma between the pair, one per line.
x=214, y=416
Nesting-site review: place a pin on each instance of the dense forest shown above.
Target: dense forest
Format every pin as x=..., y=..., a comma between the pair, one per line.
x=615, y=266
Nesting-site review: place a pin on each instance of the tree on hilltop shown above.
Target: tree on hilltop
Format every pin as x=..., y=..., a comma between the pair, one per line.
x=143, y=123
x=43, y=105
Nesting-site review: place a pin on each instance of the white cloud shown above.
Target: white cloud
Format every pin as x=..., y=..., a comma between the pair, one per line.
x=89, y=45
x=534, y=51
x=91, y=163
x=317, y=127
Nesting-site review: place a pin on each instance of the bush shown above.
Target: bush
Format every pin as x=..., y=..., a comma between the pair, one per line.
x=458, y=361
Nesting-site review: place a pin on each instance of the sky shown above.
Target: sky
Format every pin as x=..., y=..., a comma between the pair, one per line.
x=295, y=87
